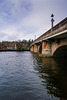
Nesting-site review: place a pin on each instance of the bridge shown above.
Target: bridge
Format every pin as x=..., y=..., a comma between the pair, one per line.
x=53, y=42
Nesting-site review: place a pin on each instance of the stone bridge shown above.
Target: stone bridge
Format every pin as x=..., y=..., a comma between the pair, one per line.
x=52, y=42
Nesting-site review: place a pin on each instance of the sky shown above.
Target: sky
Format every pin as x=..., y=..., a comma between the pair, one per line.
x=25, y=19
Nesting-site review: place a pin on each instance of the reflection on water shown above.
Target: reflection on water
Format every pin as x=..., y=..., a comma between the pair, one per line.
x=53, y=71
x=25, y=76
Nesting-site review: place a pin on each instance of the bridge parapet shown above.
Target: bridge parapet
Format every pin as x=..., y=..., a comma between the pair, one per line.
x=55, y=32
x=62, y=26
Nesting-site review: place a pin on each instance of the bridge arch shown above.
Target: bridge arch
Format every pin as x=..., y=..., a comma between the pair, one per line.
x=61, y=51
x=40, y=49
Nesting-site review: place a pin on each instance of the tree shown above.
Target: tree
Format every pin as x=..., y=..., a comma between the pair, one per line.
x=19, y=45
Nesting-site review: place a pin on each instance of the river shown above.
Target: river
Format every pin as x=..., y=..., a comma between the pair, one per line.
x=25, y=76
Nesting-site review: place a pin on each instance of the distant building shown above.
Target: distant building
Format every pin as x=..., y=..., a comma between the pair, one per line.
x=7, y=45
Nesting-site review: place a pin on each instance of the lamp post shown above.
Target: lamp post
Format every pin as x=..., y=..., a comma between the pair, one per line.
x=52, y=20
x=35, y=37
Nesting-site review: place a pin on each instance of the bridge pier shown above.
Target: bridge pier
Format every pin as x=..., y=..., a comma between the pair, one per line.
x=46, y=48
x=49, y=48
x=43, y=48
x=35, y=48
x=52, y=42
x=32, y=49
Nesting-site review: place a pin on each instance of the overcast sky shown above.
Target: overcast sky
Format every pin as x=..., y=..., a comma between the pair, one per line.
x=23, y=19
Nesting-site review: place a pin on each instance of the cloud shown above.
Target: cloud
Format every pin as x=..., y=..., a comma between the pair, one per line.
x=20, y=9
x=22, y=19
x=12, y=37
x=2, y=34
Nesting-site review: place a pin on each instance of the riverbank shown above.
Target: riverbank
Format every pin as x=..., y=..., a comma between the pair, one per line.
x=14, y=50
x=49, y=55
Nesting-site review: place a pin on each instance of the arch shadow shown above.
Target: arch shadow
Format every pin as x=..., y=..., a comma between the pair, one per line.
x=40, y=49
x=61, y=51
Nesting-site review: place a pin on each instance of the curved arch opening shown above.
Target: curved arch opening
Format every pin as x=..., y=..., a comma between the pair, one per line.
x=61, y=51
x=40, y=49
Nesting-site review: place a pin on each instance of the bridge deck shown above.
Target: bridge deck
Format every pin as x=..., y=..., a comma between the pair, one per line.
x=60, y=28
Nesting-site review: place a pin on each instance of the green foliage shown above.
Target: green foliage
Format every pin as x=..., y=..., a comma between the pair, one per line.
x=17, y=45
x=23, y=45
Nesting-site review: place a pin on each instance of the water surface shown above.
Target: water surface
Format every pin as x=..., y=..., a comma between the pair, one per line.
x=25, y=76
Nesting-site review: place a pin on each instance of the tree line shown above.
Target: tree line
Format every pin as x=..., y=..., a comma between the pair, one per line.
x=15, y=45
